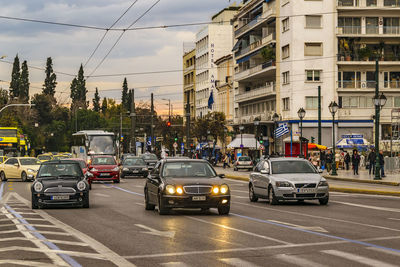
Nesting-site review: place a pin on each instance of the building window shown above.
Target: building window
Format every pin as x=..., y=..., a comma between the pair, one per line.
x=372, y=26
x=285, y=51
x=285, y=77
x=313, y=49
x=349, y=25
x=285, y=25
x=311, y=102
x=391, y=25
x=313, y=22
x=313, y=75
x=371, y=2
x=285, y=103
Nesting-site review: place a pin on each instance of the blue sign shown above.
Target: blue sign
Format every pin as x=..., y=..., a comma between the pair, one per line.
x=241, y=146
x=182, y=146
x=353, y=136
x=1, y=139
x=81, y=149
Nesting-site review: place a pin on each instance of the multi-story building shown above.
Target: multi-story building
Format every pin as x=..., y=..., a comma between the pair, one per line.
x=225, y=87
x=189, y=82
x=212, y=42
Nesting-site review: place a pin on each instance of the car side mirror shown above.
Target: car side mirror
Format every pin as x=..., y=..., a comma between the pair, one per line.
x=16, y=164
x=89, y=174
x=155, y=176
x=264, y=171
x=222, y=175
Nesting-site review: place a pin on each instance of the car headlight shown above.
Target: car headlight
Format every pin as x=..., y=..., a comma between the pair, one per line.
x=323, y=183
x=38, y=186
x=94, y=169
x=224, y=189
x=115, y=169
x=283, y=184
x=170, y=189
x=31, y=170
x=179, y=190
x=125, y=169
x=215, y=190
x=81, y=185
x=144, y=169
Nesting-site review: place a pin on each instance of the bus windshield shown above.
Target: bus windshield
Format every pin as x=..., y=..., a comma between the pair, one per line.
x=101, y=144
x=8, y=133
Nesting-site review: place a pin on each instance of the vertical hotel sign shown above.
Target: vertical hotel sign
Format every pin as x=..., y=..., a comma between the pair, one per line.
x=212, y=77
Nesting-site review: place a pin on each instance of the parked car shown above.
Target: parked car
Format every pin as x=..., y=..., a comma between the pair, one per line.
x=150, y=159
x=278, y=179
x=186, y=183
x=134, y=166
x=103, y=168
x=60, y=182
x=24, y=168
x=243, y=162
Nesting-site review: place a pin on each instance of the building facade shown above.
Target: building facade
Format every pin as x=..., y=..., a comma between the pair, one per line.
x=225, y=87
x=189, y=82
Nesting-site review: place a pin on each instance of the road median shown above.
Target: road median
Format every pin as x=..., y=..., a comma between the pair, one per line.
x=364, y=181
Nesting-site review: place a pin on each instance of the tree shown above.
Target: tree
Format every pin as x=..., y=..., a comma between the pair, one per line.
x=3, y=97
x=78, y=91
x=125, y=95
x=24, y=83
x=104, y=106
x=43, y=106
x=96, y=101
x=49, y=86
x=15, y=79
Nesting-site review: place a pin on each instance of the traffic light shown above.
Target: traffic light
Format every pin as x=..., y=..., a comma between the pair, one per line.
x=261, y=139
x=312, y=139
x=168, y=124
x=176, y=137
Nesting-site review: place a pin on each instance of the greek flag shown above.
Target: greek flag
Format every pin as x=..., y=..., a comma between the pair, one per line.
x=281, y=130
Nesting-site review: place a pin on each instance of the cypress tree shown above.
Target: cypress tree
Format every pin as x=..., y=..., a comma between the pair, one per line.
x=125, y=97
x=24, y=83
x=78, y=91
x=50, y=83
x=104, y=106
x=96, y=101
x=15, y=79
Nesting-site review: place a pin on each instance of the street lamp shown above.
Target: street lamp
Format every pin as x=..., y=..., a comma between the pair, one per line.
x=256, y=123
x=333, y=108
x=302, y=114
x=241, y=128
x=379, y=102
x=275, y=118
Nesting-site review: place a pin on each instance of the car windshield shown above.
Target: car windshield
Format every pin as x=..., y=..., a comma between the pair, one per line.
x=134, y=161
x=149, y=157
x=244, y=159
x=101, y=144
x=188, y=169
x=29, y=162
x=81, y=163
x=61, y=170
x=44, y=157
x=103, y=161
x=292, y=166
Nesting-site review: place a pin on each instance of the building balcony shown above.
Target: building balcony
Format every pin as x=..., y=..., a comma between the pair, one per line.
x=256, y=45
x=256, y=93
x=368, y=86
x=188, y=87
x=256, y=71
x=367, y=4
x=354, y=59
x=255, y=22
x=370, y=31
x=189, y=69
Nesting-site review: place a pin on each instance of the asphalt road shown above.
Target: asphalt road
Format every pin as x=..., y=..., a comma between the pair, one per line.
x=352, y=230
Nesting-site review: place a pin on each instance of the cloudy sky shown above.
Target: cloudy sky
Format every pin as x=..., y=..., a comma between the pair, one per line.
x=138, y=51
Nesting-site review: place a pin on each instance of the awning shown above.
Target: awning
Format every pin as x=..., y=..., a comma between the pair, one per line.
x=237, y=46
x=247, y=140
x=350, y=143
x=316, y=146
x=243, y=59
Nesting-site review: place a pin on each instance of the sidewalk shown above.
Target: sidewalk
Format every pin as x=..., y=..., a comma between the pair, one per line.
x=364, y=177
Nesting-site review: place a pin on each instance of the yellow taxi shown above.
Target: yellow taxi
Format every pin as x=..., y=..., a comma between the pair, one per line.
x=44, y=157
x=24, y=168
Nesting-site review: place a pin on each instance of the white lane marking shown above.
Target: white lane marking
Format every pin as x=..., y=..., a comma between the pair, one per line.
x=175, y=264
x=49, y=240
x=25, y=263
x=97, y=246
x=318, y=244
x=37, y=225
x=151, y=231
x=385, y=251
x=318, y=217
x=240, y=191
x=239, y=196
x=357, y=258
x=394, y=219
x=311, y=228
x=101, y=195
x=137, y=203
x=367, y=206
x=56, y=259
x=238, y=262
x=294, y=260
x=240, y=231
x=29, y=231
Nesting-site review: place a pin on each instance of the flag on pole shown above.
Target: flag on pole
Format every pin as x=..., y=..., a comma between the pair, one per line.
x=210, y=100
x=281, y=130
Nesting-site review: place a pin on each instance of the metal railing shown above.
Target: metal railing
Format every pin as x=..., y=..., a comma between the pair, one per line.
x=258, y=92
x=247, y=72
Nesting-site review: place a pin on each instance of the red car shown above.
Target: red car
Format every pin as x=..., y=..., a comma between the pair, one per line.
x=103, y=168
x=82, y=163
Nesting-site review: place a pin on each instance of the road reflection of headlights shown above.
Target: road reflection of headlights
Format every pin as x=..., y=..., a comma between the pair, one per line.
x=215, y=190
x=283, y=184
x=323, y=183
x=224, y=189
x=38, y=186
x=179, y=190
x=170, y=189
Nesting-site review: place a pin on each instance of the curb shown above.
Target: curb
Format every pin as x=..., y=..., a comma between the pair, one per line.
x=336, y=188
x=361, y=181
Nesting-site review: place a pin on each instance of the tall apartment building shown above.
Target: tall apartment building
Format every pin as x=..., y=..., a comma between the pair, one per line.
x=225, y=87
x=212, y=42
x=189, y=81
x=331, y=44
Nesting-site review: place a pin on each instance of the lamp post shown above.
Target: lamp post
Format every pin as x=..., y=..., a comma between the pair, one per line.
x=333, y=108
x=302, y=114
x=256, y=123
x=379, y=102
x=241, y=128
x=275, y=118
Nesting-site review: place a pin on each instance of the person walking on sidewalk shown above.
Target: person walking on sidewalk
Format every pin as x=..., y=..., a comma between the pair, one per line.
x=347, y=160
x=337, y=159
x=225, y=160
x=382, y=163
x=328, y=161
x=371, y=159
x=355, y=159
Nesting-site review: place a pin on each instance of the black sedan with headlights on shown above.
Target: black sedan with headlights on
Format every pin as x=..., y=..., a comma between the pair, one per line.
x=186, y=183
x=60, y=182
x=134, y=166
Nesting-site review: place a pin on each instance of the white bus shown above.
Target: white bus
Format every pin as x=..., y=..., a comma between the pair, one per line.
x=93, y=142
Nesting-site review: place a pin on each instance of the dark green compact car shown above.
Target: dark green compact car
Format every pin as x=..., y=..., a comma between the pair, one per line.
x=60, y=182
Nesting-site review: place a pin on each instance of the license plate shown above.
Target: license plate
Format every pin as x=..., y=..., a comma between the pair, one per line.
x=104, y=174
x=60, y=197
x=305, y=190
x=135, y=171
x=199, y=198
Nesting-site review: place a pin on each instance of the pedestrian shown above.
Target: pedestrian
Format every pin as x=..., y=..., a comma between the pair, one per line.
x=355, y=159
x=337, y=160
x=362, y=160
x=328, y=160
x=225, y=160
x=322, y=158
x=347, y=160
x=371, y=160
x=382, y=163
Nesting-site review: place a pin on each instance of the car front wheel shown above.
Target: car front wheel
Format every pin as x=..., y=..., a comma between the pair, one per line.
x=224, y=210
x=86, y=202
x=252, y=196
x=116, y=181
x=24, y=177
x=161, y=209
x=34, y=203
x=3, y=176
x=324, y=201
x=271, y=196
x=147, y=205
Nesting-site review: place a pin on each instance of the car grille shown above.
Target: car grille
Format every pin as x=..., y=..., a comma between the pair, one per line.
x=305, y=185
x=305, y=195
x=197, y=189
x=65, y=190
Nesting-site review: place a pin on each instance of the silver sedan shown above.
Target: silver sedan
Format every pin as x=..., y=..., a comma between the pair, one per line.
x=278, y=179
